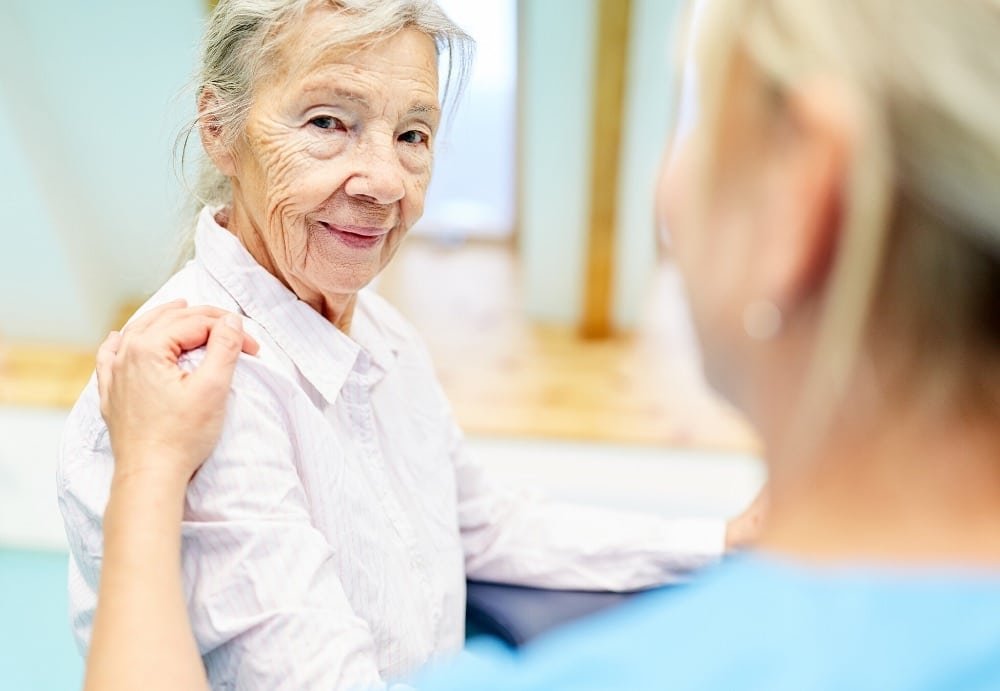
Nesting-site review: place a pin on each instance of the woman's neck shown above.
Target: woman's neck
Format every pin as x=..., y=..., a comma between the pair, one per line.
x=910, y=485
x=336, y=308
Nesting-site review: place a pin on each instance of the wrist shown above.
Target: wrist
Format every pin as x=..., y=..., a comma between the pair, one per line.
x=160, y=479
x=157, y=464
x=145, y=502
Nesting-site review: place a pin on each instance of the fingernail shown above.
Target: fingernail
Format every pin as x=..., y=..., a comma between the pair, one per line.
x=233, y=321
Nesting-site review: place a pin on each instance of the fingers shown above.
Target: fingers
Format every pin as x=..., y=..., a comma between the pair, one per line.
x=167, y=311
x=149, y=402
x=183, y=328
x=192, y=328
x=105, y=359
x=250, y=345
x=225, y=342
x=141, y=323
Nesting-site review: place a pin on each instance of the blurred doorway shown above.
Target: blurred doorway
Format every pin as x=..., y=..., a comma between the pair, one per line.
x=481, y=137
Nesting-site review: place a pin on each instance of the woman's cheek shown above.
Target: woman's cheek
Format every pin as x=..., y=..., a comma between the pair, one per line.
x=301, y=160
x=307, y=181
x=676, y=199
x=418, y=166
x=323, y=145
x=416, y=161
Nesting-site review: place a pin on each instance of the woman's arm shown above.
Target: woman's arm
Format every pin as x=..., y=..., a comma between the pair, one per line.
x=516, y=537
x=264, y=598
x=163, y=423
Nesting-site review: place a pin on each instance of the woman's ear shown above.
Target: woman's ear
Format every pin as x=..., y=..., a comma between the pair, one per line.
x=212, y=133
x=811, y=174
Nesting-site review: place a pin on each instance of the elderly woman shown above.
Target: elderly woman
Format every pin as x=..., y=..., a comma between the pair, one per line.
x=327, y=541
x=849, y=187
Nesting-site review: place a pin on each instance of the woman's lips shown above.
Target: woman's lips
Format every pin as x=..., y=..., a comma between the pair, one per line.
x=357, y=236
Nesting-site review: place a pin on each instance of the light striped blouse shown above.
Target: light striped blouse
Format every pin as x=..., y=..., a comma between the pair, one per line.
x=328, y=538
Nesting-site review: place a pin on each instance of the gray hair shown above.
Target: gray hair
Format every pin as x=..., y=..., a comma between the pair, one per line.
x=243, y=35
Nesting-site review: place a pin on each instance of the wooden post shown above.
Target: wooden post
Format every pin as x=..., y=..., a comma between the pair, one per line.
x=609, y=102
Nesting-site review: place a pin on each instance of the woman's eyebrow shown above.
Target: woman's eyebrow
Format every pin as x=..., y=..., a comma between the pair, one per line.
x=428, y=113
x=359, y=99
x=339, y=92
x=424, y=109
x=352, y=96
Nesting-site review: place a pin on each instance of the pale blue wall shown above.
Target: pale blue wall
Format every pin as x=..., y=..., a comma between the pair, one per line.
x=88, y=112
x=557, y=41
x=559, y=46
x=35, y=274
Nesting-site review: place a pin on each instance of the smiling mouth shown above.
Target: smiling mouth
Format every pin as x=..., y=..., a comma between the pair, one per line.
x=356, y=236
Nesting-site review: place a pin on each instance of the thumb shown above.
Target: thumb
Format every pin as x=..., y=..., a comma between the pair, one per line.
x=225, y=342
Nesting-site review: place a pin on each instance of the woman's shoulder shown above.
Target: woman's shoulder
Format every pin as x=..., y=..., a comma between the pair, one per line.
x=84, y=439
x=271, y=374
x=270, y=370
x=190, y=283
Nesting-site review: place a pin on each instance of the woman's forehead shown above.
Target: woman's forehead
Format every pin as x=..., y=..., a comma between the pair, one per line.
x=324, y=42
x=370, y=85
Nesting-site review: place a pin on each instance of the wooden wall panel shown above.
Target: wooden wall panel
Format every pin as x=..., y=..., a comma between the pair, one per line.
x=611, y=55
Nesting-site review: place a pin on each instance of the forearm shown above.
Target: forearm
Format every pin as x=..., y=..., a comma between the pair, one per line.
x=142, y=637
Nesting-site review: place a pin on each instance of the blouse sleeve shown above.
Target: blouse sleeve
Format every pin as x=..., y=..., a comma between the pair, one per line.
x=518, y=537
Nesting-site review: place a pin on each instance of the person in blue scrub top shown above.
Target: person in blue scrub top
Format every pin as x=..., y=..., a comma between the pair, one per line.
x=833, y=208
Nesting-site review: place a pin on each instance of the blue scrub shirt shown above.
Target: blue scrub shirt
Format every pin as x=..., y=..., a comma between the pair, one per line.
x=760, y=623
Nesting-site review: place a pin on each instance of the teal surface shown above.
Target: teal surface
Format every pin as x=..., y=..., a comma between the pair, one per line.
x=37, y=652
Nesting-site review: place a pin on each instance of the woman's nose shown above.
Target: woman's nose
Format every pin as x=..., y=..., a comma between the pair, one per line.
x=378, y=174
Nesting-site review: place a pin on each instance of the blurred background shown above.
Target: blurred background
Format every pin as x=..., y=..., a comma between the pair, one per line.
x=558, y=325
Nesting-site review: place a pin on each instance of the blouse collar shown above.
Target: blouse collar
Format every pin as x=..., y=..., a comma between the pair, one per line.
x=324, y=354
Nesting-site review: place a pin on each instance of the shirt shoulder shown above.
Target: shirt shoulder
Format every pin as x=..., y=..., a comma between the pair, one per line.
x=84, y=432
x=193, y=284
x=270, y=375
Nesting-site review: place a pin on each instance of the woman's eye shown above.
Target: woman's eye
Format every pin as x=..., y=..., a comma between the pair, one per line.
x=413, y=137
x=327, y=122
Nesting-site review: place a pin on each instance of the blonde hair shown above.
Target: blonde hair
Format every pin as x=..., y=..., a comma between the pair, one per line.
x=239, y=47
x=920, y=243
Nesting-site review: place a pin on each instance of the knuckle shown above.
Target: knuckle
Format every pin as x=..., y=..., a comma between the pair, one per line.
x=228, y=339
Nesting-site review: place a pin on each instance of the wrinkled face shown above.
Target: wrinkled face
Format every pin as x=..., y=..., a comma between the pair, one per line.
x=336, y=157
